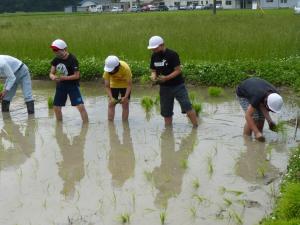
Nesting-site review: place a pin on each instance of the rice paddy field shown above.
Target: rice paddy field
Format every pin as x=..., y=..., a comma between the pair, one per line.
x=196, y=35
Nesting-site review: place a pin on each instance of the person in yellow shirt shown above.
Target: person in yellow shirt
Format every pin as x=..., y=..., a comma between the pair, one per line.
x=118, y=81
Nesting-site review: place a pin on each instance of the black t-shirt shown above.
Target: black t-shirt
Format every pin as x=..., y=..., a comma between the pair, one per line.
x=164, y=63
x=66, y=67
x=255, y=90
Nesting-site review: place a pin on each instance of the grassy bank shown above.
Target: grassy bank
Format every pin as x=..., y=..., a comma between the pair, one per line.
x=197, y=35
x=280, y=72
x=287, y=210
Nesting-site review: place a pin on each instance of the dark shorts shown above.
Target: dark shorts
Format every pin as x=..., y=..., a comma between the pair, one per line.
x=119, y=91
x=167, y=96
x=257, y=115
x=62, y=92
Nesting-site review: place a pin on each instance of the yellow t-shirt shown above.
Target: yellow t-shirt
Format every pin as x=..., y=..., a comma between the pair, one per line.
x=121, y=78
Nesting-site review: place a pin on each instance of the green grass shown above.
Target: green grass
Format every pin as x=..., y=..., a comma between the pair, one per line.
x=196, y=35
x=287, y=210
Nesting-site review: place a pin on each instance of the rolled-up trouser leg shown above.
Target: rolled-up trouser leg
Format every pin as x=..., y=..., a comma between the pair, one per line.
x=5, y=106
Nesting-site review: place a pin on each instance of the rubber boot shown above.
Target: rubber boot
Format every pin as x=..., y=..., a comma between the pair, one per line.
x=30, y=107
x=5, y=105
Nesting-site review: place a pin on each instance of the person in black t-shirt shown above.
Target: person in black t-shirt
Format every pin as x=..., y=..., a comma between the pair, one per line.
x=65, y=71
x=257, y=98
x=166, y=70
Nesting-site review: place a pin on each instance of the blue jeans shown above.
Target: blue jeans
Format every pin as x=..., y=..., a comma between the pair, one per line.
x=22, y=78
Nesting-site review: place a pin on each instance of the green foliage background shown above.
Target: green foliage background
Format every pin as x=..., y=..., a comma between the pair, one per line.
x=215, y=50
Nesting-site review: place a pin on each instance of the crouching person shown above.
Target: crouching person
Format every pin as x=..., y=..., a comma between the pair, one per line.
x=16, y=73
x=257, y=97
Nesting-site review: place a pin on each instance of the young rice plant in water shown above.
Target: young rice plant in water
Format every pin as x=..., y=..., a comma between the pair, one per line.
x=215, y=91
x=147, y=103
x=50, y=102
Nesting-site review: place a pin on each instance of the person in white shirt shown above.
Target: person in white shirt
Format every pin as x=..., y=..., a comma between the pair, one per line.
x=15, y=73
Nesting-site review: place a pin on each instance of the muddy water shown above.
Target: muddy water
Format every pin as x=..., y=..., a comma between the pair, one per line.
x=70, y=173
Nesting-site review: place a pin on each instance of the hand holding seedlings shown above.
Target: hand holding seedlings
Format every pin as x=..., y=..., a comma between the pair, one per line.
x=273, y=127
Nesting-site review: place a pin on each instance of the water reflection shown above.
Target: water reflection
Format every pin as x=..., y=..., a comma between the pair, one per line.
x=121, y=155
x=254, y=165
x=71, y=168
x=168, y=177
x=17, y=142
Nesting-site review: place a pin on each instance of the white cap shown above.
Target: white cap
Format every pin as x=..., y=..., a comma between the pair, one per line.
x=155, y=41
x=58, y=44
x=275, y=102
x=111, y=62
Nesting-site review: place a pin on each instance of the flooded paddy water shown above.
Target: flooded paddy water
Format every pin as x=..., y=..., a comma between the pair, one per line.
x=104, y=173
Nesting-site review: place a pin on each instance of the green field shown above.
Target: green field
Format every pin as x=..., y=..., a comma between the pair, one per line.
x=197, y=35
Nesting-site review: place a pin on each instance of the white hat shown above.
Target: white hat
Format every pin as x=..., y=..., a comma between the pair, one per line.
x=58, y=44
x=111, y=62
x=275, y=102
x=155, y=41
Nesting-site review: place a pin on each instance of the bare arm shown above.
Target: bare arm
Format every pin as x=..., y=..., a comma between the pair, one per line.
x=266, y=113
x=251, y=122
x=128, y=89
x=175, y=73
x=107, y=89
x=52, y=73
x=153, y=75
x=74, y=76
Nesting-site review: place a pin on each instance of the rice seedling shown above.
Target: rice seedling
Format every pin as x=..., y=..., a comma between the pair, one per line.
x=50, y=102
x=242, y=202
x=215, y=91
x=280, y=127
x=147, y=103
x=184, y=164
x=196, y=184
x=193, y=211
x=261, y=171
x=157, y=100
x=114, y=200
x=133, y=200
x=199, y=198
x=124, y=218
x=235, y=217
x=144, y=79
x=269, y=152
x=192, y=96
x=210, y=166
x=227, y=201
x=197, y=106
x=163, y=216
x=223, y=190
x=116, y=101
x=148, y=176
